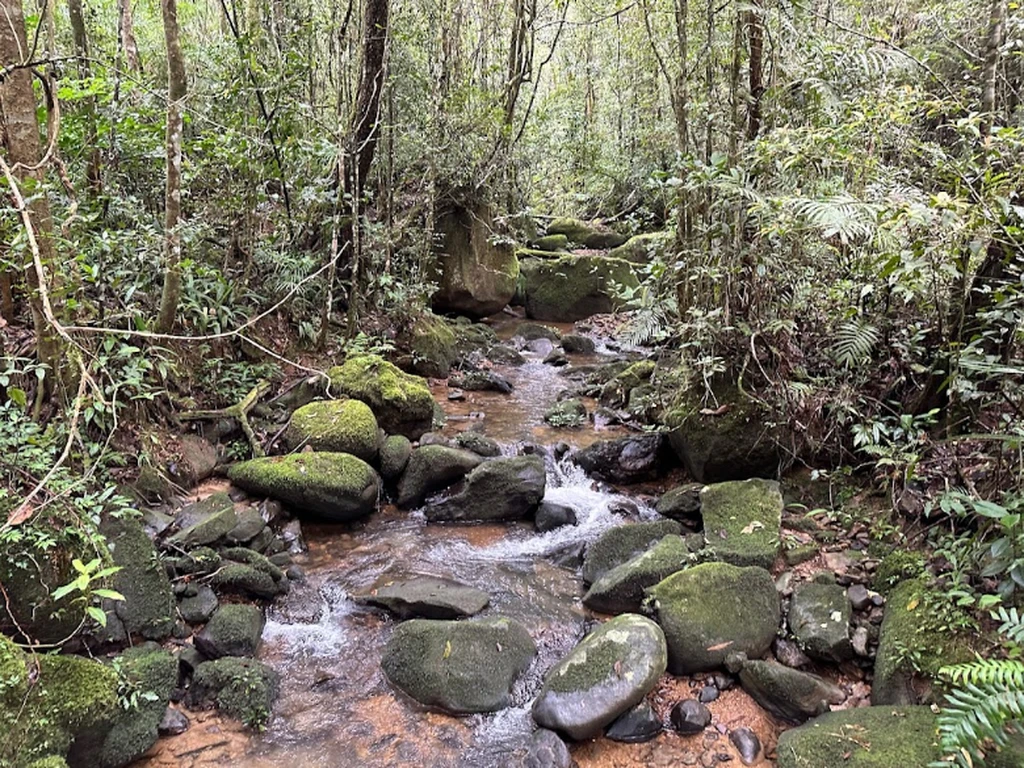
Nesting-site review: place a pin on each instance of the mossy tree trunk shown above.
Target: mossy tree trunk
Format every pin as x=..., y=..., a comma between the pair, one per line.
x=93, y=170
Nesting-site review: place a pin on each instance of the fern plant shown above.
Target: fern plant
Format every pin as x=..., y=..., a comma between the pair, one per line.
x=854, y=343
x=987, y=707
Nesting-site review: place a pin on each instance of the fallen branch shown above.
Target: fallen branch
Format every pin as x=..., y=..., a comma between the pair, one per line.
x=239, y=411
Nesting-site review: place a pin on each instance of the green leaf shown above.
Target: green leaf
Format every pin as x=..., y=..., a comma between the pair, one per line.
x=67, y=589
x=97, y=614
x=109, y=594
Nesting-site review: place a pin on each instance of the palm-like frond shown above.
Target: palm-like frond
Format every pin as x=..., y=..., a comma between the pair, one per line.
x=842, y=216
x=854, y=342
x=976, y=716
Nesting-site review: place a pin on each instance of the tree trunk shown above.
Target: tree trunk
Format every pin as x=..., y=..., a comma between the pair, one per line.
x=993, y=42
x=20, y=132
x=172, y=196
x=126, y=35
x=755, y=35
x=93, y=170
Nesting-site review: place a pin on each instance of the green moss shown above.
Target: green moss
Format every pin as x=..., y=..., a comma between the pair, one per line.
x=616, y=391
x=621, y=544
x=53, y=761
x=402, y=402
x=394, y=456
x=914, y=641
x=742, y=520
x=899, y=565
x=244, y=580
x=600, y=655
x=550, y=243
x=569, y=413
x=148, y=607
x=575, y=287
x=255, y=559
x=241, y=688
x=872, y=737
x=622, y=588
x=205, y=522
x=13, y=673
x=644, y=248
x=344, y=426
x=338, y=486
x=588, y=235
x=432, y=342
x=201, y=560
x=234, y=630
x=149, y=674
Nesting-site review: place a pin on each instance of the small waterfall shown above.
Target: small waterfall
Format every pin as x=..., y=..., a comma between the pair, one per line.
x=323, y=634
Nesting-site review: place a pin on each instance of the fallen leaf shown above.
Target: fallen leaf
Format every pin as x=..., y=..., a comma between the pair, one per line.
x=913, y=604
x=447, y=649
x=756, y=525
x=20, y=514
x=714, y=411
x=719, y=646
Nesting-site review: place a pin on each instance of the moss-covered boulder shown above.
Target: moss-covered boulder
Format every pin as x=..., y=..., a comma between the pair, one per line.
x=642, y=249
x=592, y=235
x=401, y=401
x=148, y=605
x=534, y=331
x=432, y=344
x=335, y=486
x=912, y=646
x=742, y=521
x=236, y=629
x=499, y=489
x=459, y=666
x=819, y=616
x=574, y=287
x=54, y=706
x=569, y=413
x=241, y=688
x=788, y=693
x=734, y=441
x=476, y=272
x=615, y=392
x=609, y=672
x=198, y=608
x=250, y=525
x=203, y=522
x=622, y=588
x=621, y=544
x=479, y=444
x=244, y=580
x=869, y=737
x=712, y=610
x=551, y=243
x=153, y=673
x=394, y=457
x=341, y=426
x=432, y=468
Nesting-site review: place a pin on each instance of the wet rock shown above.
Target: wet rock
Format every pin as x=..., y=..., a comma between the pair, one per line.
x=458, y=666
x=204, y=522
x=201, y=561
x=800, y=553
x=787, y=693
x=198, y=460
x=434, y=438
x=569, y=556
x=295, y=573
x=787, y=652
x=868, y=737
x=572, y=288
x=533, y=331
x=556, y=358
x=339, y=426
x=250, y=524
x=427, y=597
x=610, y=671
x=708, y=694
x=576, y=344
x=541, y=347
x=394, y=456
x=624, y=507
x=690, y=717
x=234, y=630
x=432, y=468
x=500, y=489
x=481, y=381
x=622, y=588
x=566, y=413
x=148, y=605
x=479, y=444
x=155, y=523
x=198, y=609
x=547, y=750
x=621, y=544
x=638, y=725
x=681, y=503
x=742, y=521
x=819, y=616
x=859, y=597
x=860, y=641
x=709, y=611
x=624, y=460
x=335, y=486
x=237, y=578
x=292, y=536
x=502, y=354
x=241, y=688
x=551, y=515
x=747, y=744
x=401, y=402
x=173, y=723
x=254, y=559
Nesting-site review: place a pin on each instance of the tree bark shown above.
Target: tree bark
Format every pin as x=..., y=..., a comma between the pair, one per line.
x=20, y=132
x=93, y=169
x=755, y=35
x=176, y=90
x=126, y=35
x=993, y=42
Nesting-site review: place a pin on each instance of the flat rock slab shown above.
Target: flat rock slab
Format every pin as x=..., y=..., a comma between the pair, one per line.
x=622, y=588
x=462, y=667
x=621, y=544
x=606, y=675
x=788, y=693
x=204, y=522
x=819, y=616
x=742, y=521
x=427, y=597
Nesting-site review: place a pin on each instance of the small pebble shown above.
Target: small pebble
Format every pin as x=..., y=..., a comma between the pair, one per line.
x=859, y=597
x=747, y=744
x=860, y=641
x=690, y=717
x=708, y=694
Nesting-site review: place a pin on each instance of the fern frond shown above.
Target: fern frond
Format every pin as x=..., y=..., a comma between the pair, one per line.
x=854, y=343
x=842, y=216
x=975, y=716
x=995, y=672
x=1012, y=623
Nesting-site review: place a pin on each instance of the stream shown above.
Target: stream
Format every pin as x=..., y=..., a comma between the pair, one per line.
x=336, y=709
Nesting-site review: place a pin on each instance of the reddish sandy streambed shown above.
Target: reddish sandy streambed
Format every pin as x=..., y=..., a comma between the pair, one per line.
x=336, y=710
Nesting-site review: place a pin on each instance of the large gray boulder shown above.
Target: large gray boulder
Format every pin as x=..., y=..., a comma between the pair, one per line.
x=742, y=520
x=712, y=610
x=148, y=605
x=572, y=288
x=204, y=522
x=335, y=486
x=622, y=588
x=623, y=460
x=499, y=489
x=608, y=673
x=235, y=630
x=433, y=468
x=461, y=667
x=476, y=275
x=593, y=235
x=401, y=402
x=427, y=597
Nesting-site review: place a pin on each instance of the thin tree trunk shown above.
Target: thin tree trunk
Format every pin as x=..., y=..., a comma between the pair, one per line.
x=93, y=169
x=755, y=34
x=993, y=42
x=20, y=132
x=126, y=34
x=171, y=294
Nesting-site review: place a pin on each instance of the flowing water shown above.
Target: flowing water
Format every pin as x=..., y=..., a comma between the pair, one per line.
x=337, y=710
